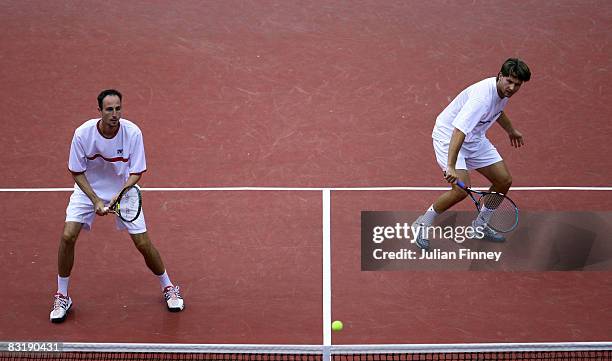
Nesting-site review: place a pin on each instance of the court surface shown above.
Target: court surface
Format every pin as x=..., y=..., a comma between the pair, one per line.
x=305, y=98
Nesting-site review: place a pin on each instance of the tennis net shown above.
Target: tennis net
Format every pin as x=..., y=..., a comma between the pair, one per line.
x=141, y=351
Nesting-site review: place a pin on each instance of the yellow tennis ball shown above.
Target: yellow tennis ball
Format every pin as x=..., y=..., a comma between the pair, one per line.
x=337, y=326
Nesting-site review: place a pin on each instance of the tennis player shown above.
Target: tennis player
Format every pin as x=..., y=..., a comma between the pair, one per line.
x=461, y=145
x=106, y=156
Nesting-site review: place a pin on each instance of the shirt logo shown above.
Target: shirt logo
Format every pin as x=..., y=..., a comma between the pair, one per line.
x=491, y=119
x=119, y=151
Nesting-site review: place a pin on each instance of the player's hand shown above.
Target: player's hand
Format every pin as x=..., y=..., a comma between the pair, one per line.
x=451, y=175
x=100, y=208
x=516, y=138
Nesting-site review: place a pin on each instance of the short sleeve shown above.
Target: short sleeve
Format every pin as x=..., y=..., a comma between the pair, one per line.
x=138, y=163
x=77, y=161
x=472, y=112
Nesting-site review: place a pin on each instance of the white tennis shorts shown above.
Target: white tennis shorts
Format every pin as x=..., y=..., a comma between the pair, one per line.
x=485, y=155
x=81, y=210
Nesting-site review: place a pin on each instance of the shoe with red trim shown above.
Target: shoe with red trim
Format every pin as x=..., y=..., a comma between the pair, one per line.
x=174, y=300
x=61, y=306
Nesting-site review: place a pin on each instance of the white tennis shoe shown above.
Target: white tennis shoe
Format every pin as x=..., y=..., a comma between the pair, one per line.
x=174, y=300
x=61, y=306
x=488, y=234
x=421, y=241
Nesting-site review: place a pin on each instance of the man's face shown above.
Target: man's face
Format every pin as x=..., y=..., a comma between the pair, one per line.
x=508, y=85
x=111, y=110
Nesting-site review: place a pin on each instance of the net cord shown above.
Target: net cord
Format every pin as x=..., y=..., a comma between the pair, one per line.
x=322, y=349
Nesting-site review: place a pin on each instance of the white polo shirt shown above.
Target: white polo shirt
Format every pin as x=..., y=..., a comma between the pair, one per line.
x=107, y=163
x=473, y=112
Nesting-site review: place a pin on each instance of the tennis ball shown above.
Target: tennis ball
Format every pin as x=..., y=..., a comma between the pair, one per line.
x=337, y=326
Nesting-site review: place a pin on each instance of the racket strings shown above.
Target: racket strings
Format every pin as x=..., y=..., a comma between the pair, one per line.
x=129, y=204
x=498, y=212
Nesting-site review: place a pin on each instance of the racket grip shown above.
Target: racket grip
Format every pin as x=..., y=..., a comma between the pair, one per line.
x=460, y=183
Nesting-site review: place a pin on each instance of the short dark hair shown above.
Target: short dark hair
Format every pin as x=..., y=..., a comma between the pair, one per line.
x=106, y=93
x=517, y=68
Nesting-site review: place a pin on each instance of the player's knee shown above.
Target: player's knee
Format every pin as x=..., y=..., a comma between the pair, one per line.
x=142, y=244
x=69, y=238
x=504, y=184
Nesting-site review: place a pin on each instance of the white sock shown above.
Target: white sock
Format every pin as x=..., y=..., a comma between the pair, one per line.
x=429, y=217
x=164, y=280
x=484, y=216
x=62, y=285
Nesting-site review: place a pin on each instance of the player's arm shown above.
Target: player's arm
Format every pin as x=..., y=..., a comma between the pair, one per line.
x=516, y=137
x=456, y=142
x=133, y=179
x=81, y=180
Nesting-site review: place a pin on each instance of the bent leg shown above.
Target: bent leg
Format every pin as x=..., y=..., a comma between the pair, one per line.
x=444, y=202
x=454, y=196
x=149, y=252
x=501, y=180
x=172, y=294
x=499, y=176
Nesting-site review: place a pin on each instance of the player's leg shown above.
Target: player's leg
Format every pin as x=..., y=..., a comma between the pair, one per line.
x=65, y=260
x=453, y=196
x=148, y=252
x=154, y=261
x=490, y=164
x=441, y=204
x=444, y=201
x=79, y=214
x=65, y=255
x=499, y=176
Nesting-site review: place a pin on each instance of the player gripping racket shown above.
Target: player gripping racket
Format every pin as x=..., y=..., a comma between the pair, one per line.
x=127, y=205
x=461, y=146
x=107, y=155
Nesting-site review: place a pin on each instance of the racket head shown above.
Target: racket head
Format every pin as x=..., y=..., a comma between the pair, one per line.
x=505, y=215
x=129, y=204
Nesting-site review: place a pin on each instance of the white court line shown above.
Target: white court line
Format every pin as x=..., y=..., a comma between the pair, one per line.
x=327, y=292
x=318, y=189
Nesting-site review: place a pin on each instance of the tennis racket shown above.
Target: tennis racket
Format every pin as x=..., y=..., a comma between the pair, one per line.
x=499, y=213
x=128, y=205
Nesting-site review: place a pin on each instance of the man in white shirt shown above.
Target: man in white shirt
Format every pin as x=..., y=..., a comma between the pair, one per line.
x=106, y=156
x=460, y=143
